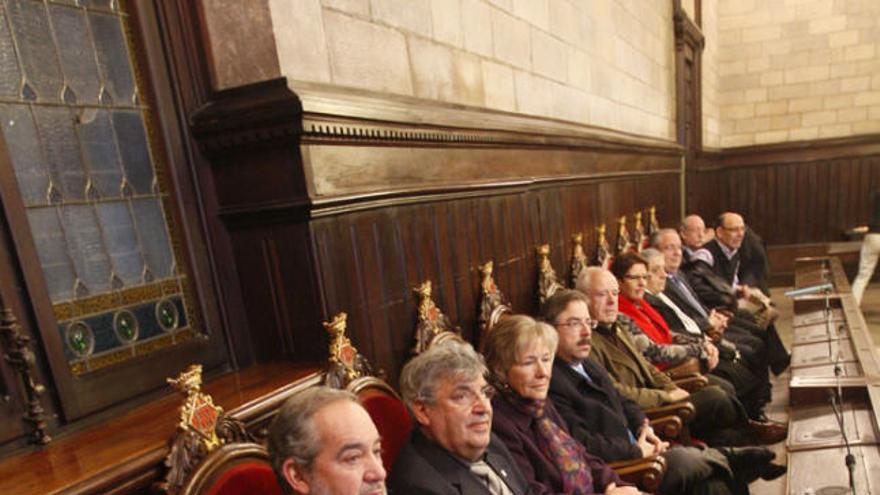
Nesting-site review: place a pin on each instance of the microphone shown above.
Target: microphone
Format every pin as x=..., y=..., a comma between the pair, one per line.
x=849, y=459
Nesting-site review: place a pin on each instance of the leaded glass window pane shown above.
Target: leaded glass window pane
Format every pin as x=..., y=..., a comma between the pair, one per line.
x=10, y=77
x=24, y=149
x=77, y=138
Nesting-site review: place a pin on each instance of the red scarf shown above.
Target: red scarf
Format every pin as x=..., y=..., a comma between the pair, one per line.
x=646, y=318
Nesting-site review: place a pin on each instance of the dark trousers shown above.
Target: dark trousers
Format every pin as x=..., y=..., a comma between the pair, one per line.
x=721, y=418
x=696, y=471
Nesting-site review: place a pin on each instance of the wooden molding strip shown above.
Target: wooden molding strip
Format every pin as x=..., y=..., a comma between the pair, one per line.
x=338, y=205
x=795, y=152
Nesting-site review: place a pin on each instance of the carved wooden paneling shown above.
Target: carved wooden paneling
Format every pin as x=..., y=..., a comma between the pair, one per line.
x=339, y=200
x=810, y=196
x=369, y=262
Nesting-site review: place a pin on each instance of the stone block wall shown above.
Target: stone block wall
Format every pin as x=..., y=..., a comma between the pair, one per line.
x=607, y=63
x=791, y=70
x=709, y=88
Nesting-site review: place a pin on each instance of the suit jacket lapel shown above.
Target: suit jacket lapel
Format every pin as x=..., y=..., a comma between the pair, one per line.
x=458, y=474
x=508, y=472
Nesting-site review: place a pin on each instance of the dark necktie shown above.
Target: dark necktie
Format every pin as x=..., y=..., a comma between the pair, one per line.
x=688, y=294
x=490, y=478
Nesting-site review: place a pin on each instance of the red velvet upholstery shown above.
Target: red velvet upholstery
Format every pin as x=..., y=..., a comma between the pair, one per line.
x=248, y=477
x=392, y=420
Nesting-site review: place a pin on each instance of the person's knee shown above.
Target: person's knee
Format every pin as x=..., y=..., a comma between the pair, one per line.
x=685, y=466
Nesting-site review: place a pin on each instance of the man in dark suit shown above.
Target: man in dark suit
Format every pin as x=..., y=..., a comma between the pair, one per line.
x=614, y=428
x=452, y=450
x=695, y=286
x=752, y=391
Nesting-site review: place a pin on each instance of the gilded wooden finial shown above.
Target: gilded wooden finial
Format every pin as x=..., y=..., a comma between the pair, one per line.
x=345, y=363
x=431, y=321
x=548, y=283
x=198, y=413
x=492, y=304
x=638, y=232
x=602, y=256
x=622, y=244
x=578, y=257
x=653, y=224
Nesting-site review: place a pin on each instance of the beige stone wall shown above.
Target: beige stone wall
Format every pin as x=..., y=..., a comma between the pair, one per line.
x=709, y=87
x=792, y=70
x=607, y=63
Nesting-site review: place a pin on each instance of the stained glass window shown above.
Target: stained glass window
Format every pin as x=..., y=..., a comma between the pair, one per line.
x=77, y=134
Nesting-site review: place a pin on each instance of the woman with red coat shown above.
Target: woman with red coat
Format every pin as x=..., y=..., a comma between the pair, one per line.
x=649, y=330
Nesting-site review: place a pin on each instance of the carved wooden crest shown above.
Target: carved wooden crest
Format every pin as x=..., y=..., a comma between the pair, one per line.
x=578, y=257
x=433, y=326
x=202, y=428
x=492, y=304
x=548, y=283
x=198, y=412
x=345, y=363
x=638, y=238
x=653, y=224
x=602, y=256
x=623, y=243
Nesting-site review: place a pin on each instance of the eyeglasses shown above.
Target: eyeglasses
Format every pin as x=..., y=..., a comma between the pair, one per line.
x=738, y=228
x=578, y=324
x=465, y=397
x=636, y=277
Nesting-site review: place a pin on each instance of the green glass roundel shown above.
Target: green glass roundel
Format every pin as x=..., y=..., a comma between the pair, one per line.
x=80, y=339
x=125, y=325
x=167, y=315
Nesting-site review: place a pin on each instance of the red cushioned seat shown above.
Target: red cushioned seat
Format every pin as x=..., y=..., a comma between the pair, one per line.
x=245, y=478
x=392, y=420
x=234, y=469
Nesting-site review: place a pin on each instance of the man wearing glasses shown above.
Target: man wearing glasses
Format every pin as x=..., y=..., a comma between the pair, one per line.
x=452, y=451
x=614, y=428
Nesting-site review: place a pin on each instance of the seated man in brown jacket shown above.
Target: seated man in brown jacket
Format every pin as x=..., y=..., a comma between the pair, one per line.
x=720, y=418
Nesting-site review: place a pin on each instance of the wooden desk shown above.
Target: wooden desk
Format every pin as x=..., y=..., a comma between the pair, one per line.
x=125, y=454
x=828, y=330
x=816, y=459
x=816, y=449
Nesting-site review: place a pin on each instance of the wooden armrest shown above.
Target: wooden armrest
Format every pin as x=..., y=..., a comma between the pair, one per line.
x=667, y=427
x=646, y=473
x=684, y=410
x=692, y=383
x=690, y=367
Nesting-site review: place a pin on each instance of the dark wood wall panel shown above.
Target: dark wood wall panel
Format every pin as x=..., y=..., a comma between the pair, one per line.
x=337, y=200
x=369, y=262
x=794, y=200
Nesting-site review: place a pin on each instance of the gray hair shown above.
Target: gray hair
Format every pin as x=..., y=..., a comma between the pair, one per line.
x=655, y=238
x=585, y=278
x=510, y=336
x=422, y=374
x=293, y=435
x=651, y=253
